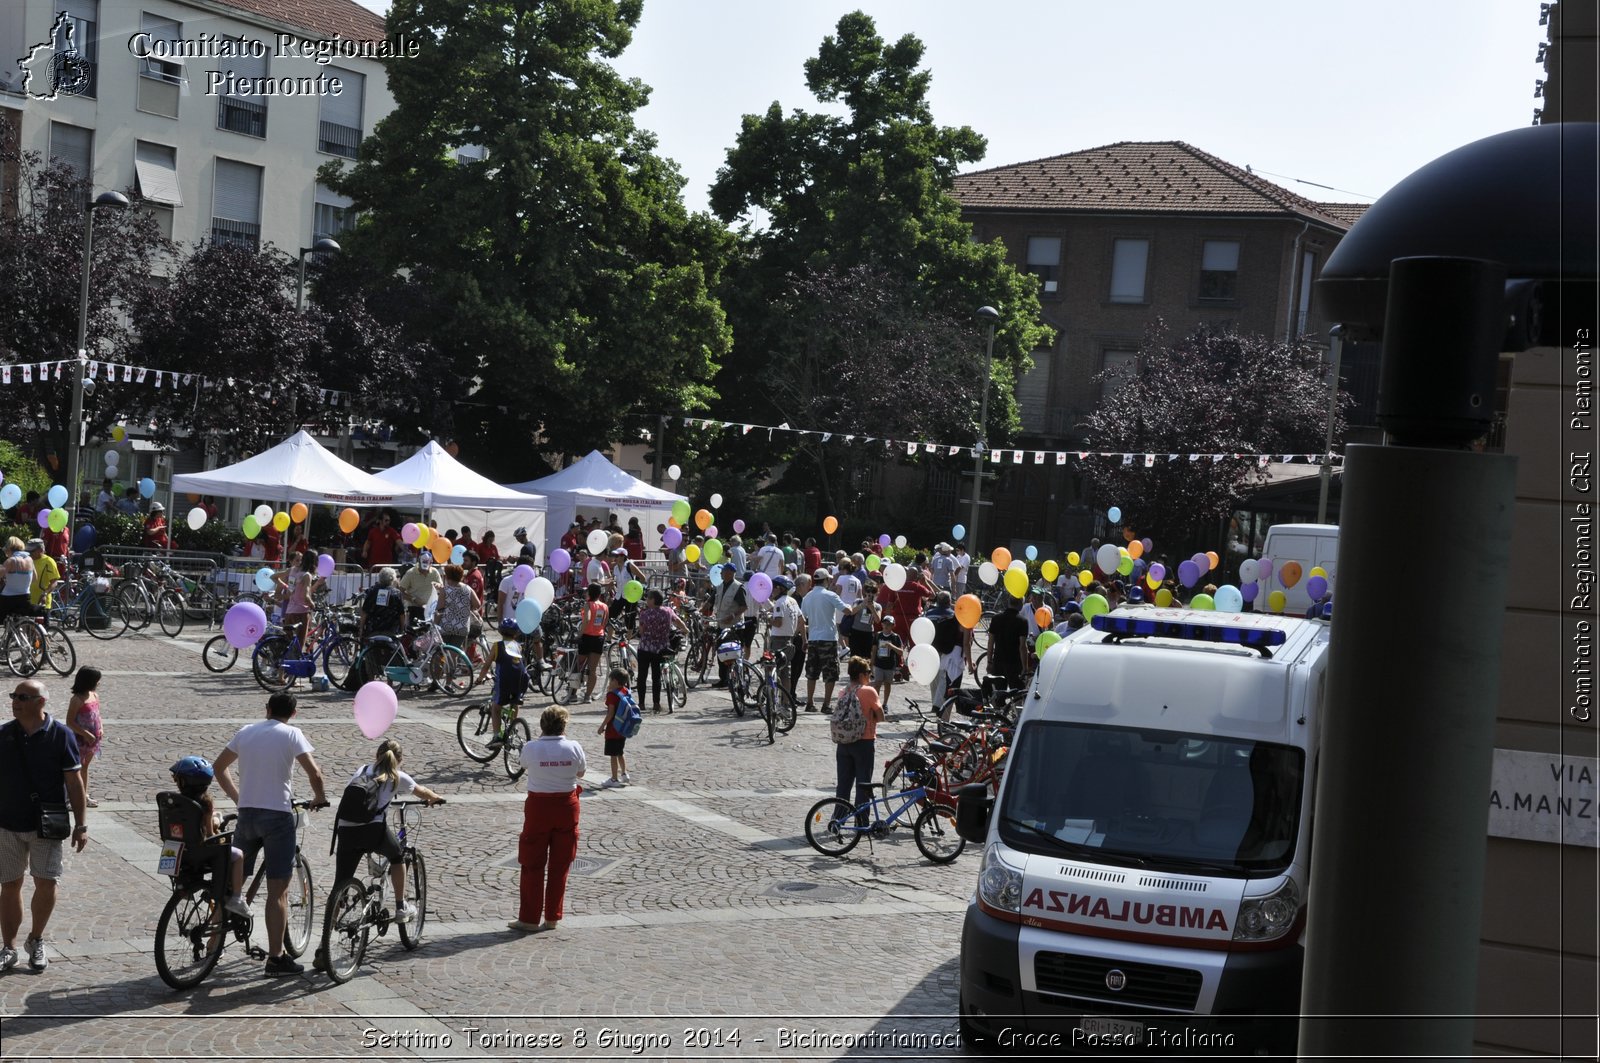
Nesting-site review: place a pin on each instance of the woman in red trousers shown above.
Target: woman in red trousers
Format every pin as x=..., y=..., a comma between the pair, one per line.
x=549, y=840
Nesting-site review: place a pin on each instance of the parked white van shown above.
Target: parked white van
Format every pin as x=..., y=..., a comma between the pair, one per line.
x=1309, y=544
x=1145, y=863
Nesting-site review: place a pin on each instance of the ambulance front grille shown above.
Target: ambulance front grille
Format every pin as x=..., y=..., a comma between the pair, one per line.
x=1144, y=984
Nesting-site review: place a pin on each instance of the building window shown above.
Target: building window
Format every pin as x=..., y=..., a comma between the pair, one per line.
x=1033, y=393
x=160, y=80
x=471, y=153
x=1044, y=261
x=331, y=215
x=339, y=131
x=84, y=19
x=1308, y=273
x=1219, y=270
x=236, y=205
x=1116, y=368
x=237, y=113
x=155, y=168
x=73, y=147
x=1128, y=261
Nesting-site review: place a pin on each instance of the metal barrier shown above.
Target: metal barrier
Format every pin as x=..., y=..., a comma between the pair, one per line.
x=192, y=563
x=348, y=581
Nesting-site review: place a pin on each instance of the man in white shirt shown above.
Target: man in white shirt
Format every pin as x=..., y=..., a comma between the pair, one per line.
x=822, y=609
x=848, y=587
x=942, y=568
x=769, y=558
x=267, y=753
x=958, y=578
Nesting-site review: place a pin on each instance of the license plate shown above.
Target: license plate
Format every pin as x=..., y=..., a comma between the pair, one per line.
x=1123, y=1030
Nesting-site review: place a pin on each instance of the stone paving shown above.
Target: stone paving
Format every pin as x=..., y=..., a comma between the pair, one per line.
x=699, y=923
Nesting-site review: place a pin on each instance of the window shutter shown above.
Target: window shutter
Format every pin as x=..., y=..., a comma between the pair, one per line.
x=1128, y=260
x=1221, y=256
x=238, y=192
x=328, y=197
x=156, y=167
x=74, y=146
x=345, y=108
x=245, y=66
x=1044, y=250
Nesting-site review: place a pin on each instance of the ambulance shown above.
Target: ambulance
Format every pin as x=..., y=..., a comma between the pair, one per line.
x=1145, y=862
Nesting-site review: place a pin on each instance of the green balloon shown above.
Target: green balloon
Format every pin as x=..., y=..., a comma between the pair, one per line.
x=1045, y=640
x=1202, y=601
x=680, y=512
x=633, y=590
x=873, y=561
x=252, y=527
x=712, y=551
x=58, y=519
x=1094, y=605
x=1125, y=566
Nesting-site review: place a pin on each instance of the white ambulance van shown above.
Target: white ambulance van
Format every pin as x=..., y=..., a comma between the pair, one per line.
x=1312, y=545
x=1144, y=872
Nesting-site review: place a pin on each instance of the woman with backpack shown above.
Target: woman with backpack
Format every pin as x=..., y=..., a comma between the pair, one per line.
x=854, y=726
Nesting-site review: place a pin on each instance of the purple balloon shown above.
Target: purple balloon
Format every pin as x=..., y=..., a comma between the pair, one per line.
x=1248, y=591
x=759, y=586
x=44, y=518
x=522, y=575
x=1264, y=570
x=1146, y=544
x=711, y=532
x=738, y=526
x=325, y=565
x=671, y=538
x=1158, y=571
x=1188, y=573
x=244, y=623
x=1316, y=586
x=1201, y=562
x=560, y=560
x=884, y=540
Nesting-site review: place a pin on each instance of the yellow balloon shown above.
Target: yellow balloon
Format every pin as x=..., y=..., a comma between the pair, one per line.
x=1276, y=601
x=1072, y=558
x=281, y=521
x=1319, y=571
x=423, y=533
x=1151, y=581
x=1085, y=577
x=691, y=553
x=1050, y=570
x=1017, y=583
x=1163, y=597
x=119, y=433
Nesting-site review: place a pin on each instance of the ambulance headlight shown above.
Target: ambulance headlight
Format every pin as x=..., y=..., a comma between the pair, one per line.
x=999, y=884
x=1270, y=917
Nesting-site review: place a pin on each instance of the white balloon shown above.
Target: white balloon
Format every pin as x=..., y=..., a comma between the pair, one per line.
x=113, y=459
x=597, y=540
x=921, y=631
x=900, y=542
x=988, y=573
x=894, y=577
x=1108, y=557
x=674, y=472
x=716, y=501
x=1017, y=564
x=542, y=591
x=1248, y=570
x=923, y=661
x=197, y=518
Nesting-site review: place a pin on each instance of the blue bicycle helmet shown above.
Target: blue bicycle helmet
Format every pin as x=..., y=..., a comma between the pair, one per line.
x=783, y=581
x=508, y=626
x=193, y=768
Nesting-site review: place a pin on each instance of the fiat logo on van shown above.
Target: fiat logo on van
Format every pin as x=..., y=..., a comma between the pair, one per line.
x=1116, y=981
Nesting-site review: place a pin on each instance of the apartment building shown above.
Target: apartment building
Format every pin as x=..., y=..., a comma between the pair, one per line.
x=218, y=113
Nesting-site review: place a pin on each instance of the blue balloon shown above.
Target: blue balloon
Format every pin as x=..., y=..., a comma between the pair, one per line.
x=716, y=575
x=1032, y=552
x=458, y=553
x=1114, y=515
x=959, y=531
x=10, y=495
x=529, y=613
x=147, y=487
x=264, y=580
x=84, y=539
x=57, y=496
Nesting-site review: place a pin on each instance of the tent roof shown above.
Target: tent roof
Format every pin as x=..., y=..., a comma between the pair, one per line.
x=595, y=478
x=298, y=470
x=445, y=482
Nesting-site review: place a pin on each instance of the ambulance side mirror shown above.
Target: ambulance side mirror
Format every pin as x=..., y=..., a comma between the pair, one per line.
x=973, y=805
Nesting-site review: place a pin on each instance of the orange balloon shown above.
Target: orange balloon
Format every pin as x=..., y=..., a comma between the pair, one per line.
x=349, y=520
x=969, y=610
x=297, y=512
x=830, y=524
x=702, y=519
x=441, y=548
x=193, y=497
x=1127, y=535
x=1289, y=573
x=1001, y=558
x=1211, y=556
x=1042, y=616
x=1135, y=549
x=672, y=522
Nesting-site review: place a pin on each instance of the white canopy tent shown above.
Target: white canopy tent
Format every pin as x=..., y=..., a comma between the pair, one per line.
x=594, y=487
x=458, y=496
x=297, y=470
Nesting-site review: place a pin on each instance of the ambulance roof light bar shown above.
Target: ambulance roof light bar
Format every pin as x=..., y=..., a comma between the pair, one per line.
x=1176, y=624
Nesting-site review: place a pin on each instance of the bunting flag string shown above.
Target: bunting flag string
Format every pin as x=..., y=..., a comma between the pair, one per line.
x=140, y=374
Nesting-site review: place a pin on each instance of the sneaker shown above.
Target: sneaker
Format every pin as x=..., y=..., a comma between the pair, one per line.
x=8, y=958
x=611, y=784
x=826, y=710
x=36, y=957
x=627, y=780
x=810, y=707
x=236, y=905
x=408, y=913
x=550, y=924
x=526, y=928
x=320, y=961
x=279, y=966
x=496, y=742
x=91, y=802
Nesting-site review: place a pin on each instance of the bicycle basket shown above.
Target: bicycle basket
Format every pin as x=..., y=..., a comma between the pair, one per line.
x=729, y=651
x=299, y=668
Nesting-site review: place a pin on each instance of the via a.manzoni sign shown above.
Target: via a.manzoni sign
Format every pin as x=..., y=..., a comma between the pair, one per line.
x=1543, y=797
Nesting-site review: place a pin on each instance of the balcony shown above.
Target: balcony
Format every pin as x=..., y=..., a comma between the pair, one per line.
x=243, y=234
x=242, y=116
x=338, y=139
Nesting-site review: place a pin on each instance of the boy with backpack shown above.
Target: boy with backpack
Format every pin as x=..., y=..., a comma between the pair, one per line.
x=621, y=723
x=854, y=728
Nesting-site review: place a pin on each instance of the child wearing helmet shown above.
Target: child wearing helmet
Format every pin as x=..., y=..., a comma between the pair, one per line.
x=192, y=775
x=508, y=660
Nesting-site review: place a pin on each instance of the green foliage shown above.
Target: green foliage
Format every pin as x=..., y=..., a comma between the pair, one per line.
x=22, y=470
x=214, y=536
x=118, y=529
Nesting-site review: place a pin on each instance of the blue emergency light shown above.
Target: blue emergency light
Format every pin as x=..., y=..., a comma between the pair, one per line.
x=1175, y=624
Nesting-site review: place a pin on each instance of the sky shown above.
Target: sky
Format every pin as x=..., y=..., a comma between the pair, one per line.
x=1352, y=94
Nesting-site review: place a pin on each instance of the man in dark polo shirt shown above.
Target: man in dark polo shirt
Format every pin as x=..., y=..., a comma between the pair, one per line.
x=38, y=762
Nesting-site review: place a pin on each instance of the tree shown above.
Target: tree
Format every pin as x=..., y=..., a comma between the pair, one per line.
x=573, y=288
x=1212, y=392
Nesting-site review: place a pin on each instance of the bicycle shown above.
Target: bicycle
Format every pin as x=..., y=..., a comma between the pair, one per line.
x=475, y=733
x=356, y=908
x=277, y=661
x=219, y=654
x=86, y=603
x=673, y=676
x=420, y=658
x=22, y=638
x=194, y=926
x=774, y=702
x=744, y=681
x=834, y=826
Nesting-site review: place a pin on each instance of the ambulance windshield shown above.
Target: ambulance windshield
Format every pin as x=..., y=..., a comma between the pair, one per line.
x=1157, y=798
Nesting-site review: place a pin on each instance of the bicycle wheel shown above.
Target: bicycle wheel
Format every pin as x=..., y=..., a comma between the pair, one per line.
x=102, y=616
x=170, y=613
x=338, y=658
x=345, y=930
x=892, y=772
x=136, y=604
x=571, y=682
x=622, y=657
x=517, y=736
x=59, y=653
x=21, y=656
x=450, y=671
x=302, y=908
x=936, y=834
x=474, y=729
x=266, y=663
x=828, y=827
x=417, y=874
x=188, y=943
x=219, y=654
x=677, y=686
x=785, y=711
x=702, y=662
x=768, y=713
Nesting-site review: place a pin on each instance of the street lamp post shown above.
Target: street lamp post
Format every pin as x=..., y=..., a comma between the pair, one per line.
x=322, y=245
x=75, y=424
x=990, y=317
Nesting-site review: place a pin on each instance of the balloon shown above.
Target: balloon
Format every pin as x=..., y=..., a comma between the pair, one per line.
x=1018, y=565
x=1093, y=606
x=1264, y=570
x=119, y=433
x=83, y=538
x=923, y=662
x=1202, y=601
x=376, y=707
x=113, y=459
x=10, y=495
x=1001, y=557
x=1289, y=573
x=958, y=532
x=894, y=577
x=325, y=565
x=1188, y=572
x=711, y=532
x=760, y=586
x=1316, y=587
x=527, y=614
x=680, y=511
x=671, y=538
x=900, y=542
x=425, y=535
x=542, y=591
x=1163, y=597
x=263, y=515
x=874, y=562
x=1125, y=566
x=1135, y=549
x=1114, y=515
x=702, y=519
x=1016, y=583
x=1201, y=562
x=1108, y=557
x=197, y=518
x=264, y=582
x=57, y=520
x=1228, y=599
x=349, y=520
x=830, y=524
x=298, y=512
x=58, y=495
x=1146, y=544
x=458, y=554
x=989, y=573
x=1072, y=558
x=1031, y=553
x=674, y=472
x=1128, y=535
x=1248, y=591
x=633, y=590
x=244, y=623
x=921, y=631
x=408, y=533
x=522, y=575
x=1085, y=577
x=1248, y=570
x=1045, y=640
x=884, y=541
x=716, y=501
x=1318, y=570
x=596, y=540
x=1276, y=601
x=712, y=551
x=280, y=520
x=1151, y=581
x=43, y=518
x=738, y=527
x=251, y=526
x=1043, y=616
x=969, y=610
x=440, y=547
x=560, y=561
x=1050, y=570
x=691, y=553
x=716, y=575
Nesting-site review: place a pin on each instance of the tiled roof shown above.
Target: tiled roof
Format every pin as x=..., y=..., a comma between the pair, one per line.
x=1161, y=177
x=345, y=17
x=1349, y=213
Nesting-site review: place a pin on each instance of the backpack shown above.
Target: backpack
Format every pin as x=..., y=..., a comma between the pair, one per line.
x=359, y=802
x=627, y=717
x=848, y=723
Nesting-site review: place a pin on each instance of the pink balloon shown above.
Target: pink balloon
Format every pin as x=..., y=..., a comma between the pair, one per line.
x=711, y=532
x=244, y=623
x=738, y=526
x=760, y=586
x=325, y=565
x=671, y=538
x=409, y=533
x=560, y=560
x=376, y=707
